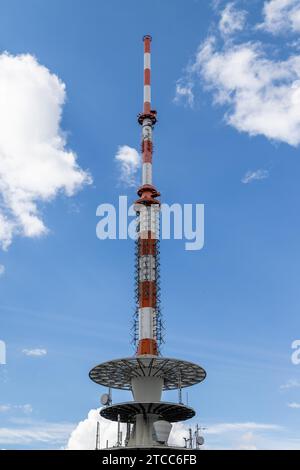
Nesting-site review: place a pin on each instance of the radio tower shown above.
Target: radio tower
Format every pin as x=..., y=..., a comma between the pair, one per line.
x=146, y=374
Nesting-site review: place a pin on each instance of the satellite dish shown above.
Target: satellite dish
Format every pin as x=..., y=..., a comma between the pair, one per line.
x=105, y=399
x=200, y=440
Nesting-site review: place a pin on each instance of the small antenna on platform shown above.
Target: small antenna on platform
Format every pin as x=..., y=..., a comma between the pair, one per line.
x=98, y=436
x=128, y=430
x=199, y=439
x=179, y=389
x=119, y=440
x=190, y=438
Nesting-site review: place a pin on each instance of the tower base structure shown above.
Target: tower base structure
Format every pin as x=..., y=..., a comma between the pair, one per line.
x=149, y=420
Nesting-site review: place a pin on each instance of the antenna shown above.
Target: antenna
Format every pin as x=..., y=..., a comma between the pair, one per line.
x=119, y=440
x=179, y=389
x=147, y=209
x=190, y=438
x=98, y=436
x=147, y=373
x=198, y=438
x=128, y=431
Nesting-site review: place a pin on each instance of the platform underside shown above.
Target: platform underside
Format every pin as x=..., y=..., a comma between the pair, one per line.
x=120, y=372
x=172, y=412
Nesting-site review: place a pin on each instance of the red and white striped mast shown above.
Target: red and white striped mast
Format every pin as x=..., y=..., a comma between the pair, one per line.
x=147, y=208
x=147, y=373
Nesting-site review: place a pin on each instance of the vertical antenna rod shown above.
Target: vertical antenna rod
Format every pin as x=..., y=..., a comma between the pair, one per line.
x=98, y=436
x=148, y=118
x=147, y=74
x=147, y=209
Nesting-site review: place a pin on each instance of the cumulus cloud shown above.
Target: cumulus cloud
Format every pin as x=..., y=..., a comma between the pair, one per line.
x=128, y=160
x=35, y=164
x=83, y=437
x=259, y=92
x=281, y=16
x=248, y=435
x=2, y=269
x=256, y=175
x=38, y=352
x=232, y=19
x=262, y=95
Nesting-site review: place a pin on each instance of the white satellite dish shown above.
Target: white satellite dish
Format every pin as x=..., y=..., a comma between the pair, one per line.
x=200, y=440
x=105, y=399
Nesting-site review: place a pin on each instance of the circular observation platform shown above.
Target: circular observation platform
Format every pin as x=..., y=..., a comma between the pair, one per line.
x=175, y=373
x=171, y=412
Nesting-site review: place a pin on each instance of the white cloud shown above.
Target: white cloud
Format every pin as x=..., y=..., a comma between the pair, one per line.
x=38, y=352
x=295, y=406
x=292, y=383
x=83, y=437
x=259, y=91
x=248, y=435
x=232, y=19
x=2, y=269
x=128, y=160
x=184, y=92
x=178, y=433
x=52, y=434
x=4, y=408
x=35, y=164
x=248, y=441
x=222, y=428
x=281, y=16
x=256, y=175
x=262, y=95
x=26, y=409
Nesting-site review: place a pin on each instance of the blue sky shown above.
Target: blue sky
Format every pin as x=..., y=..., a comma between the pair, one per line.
x=232, y=307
